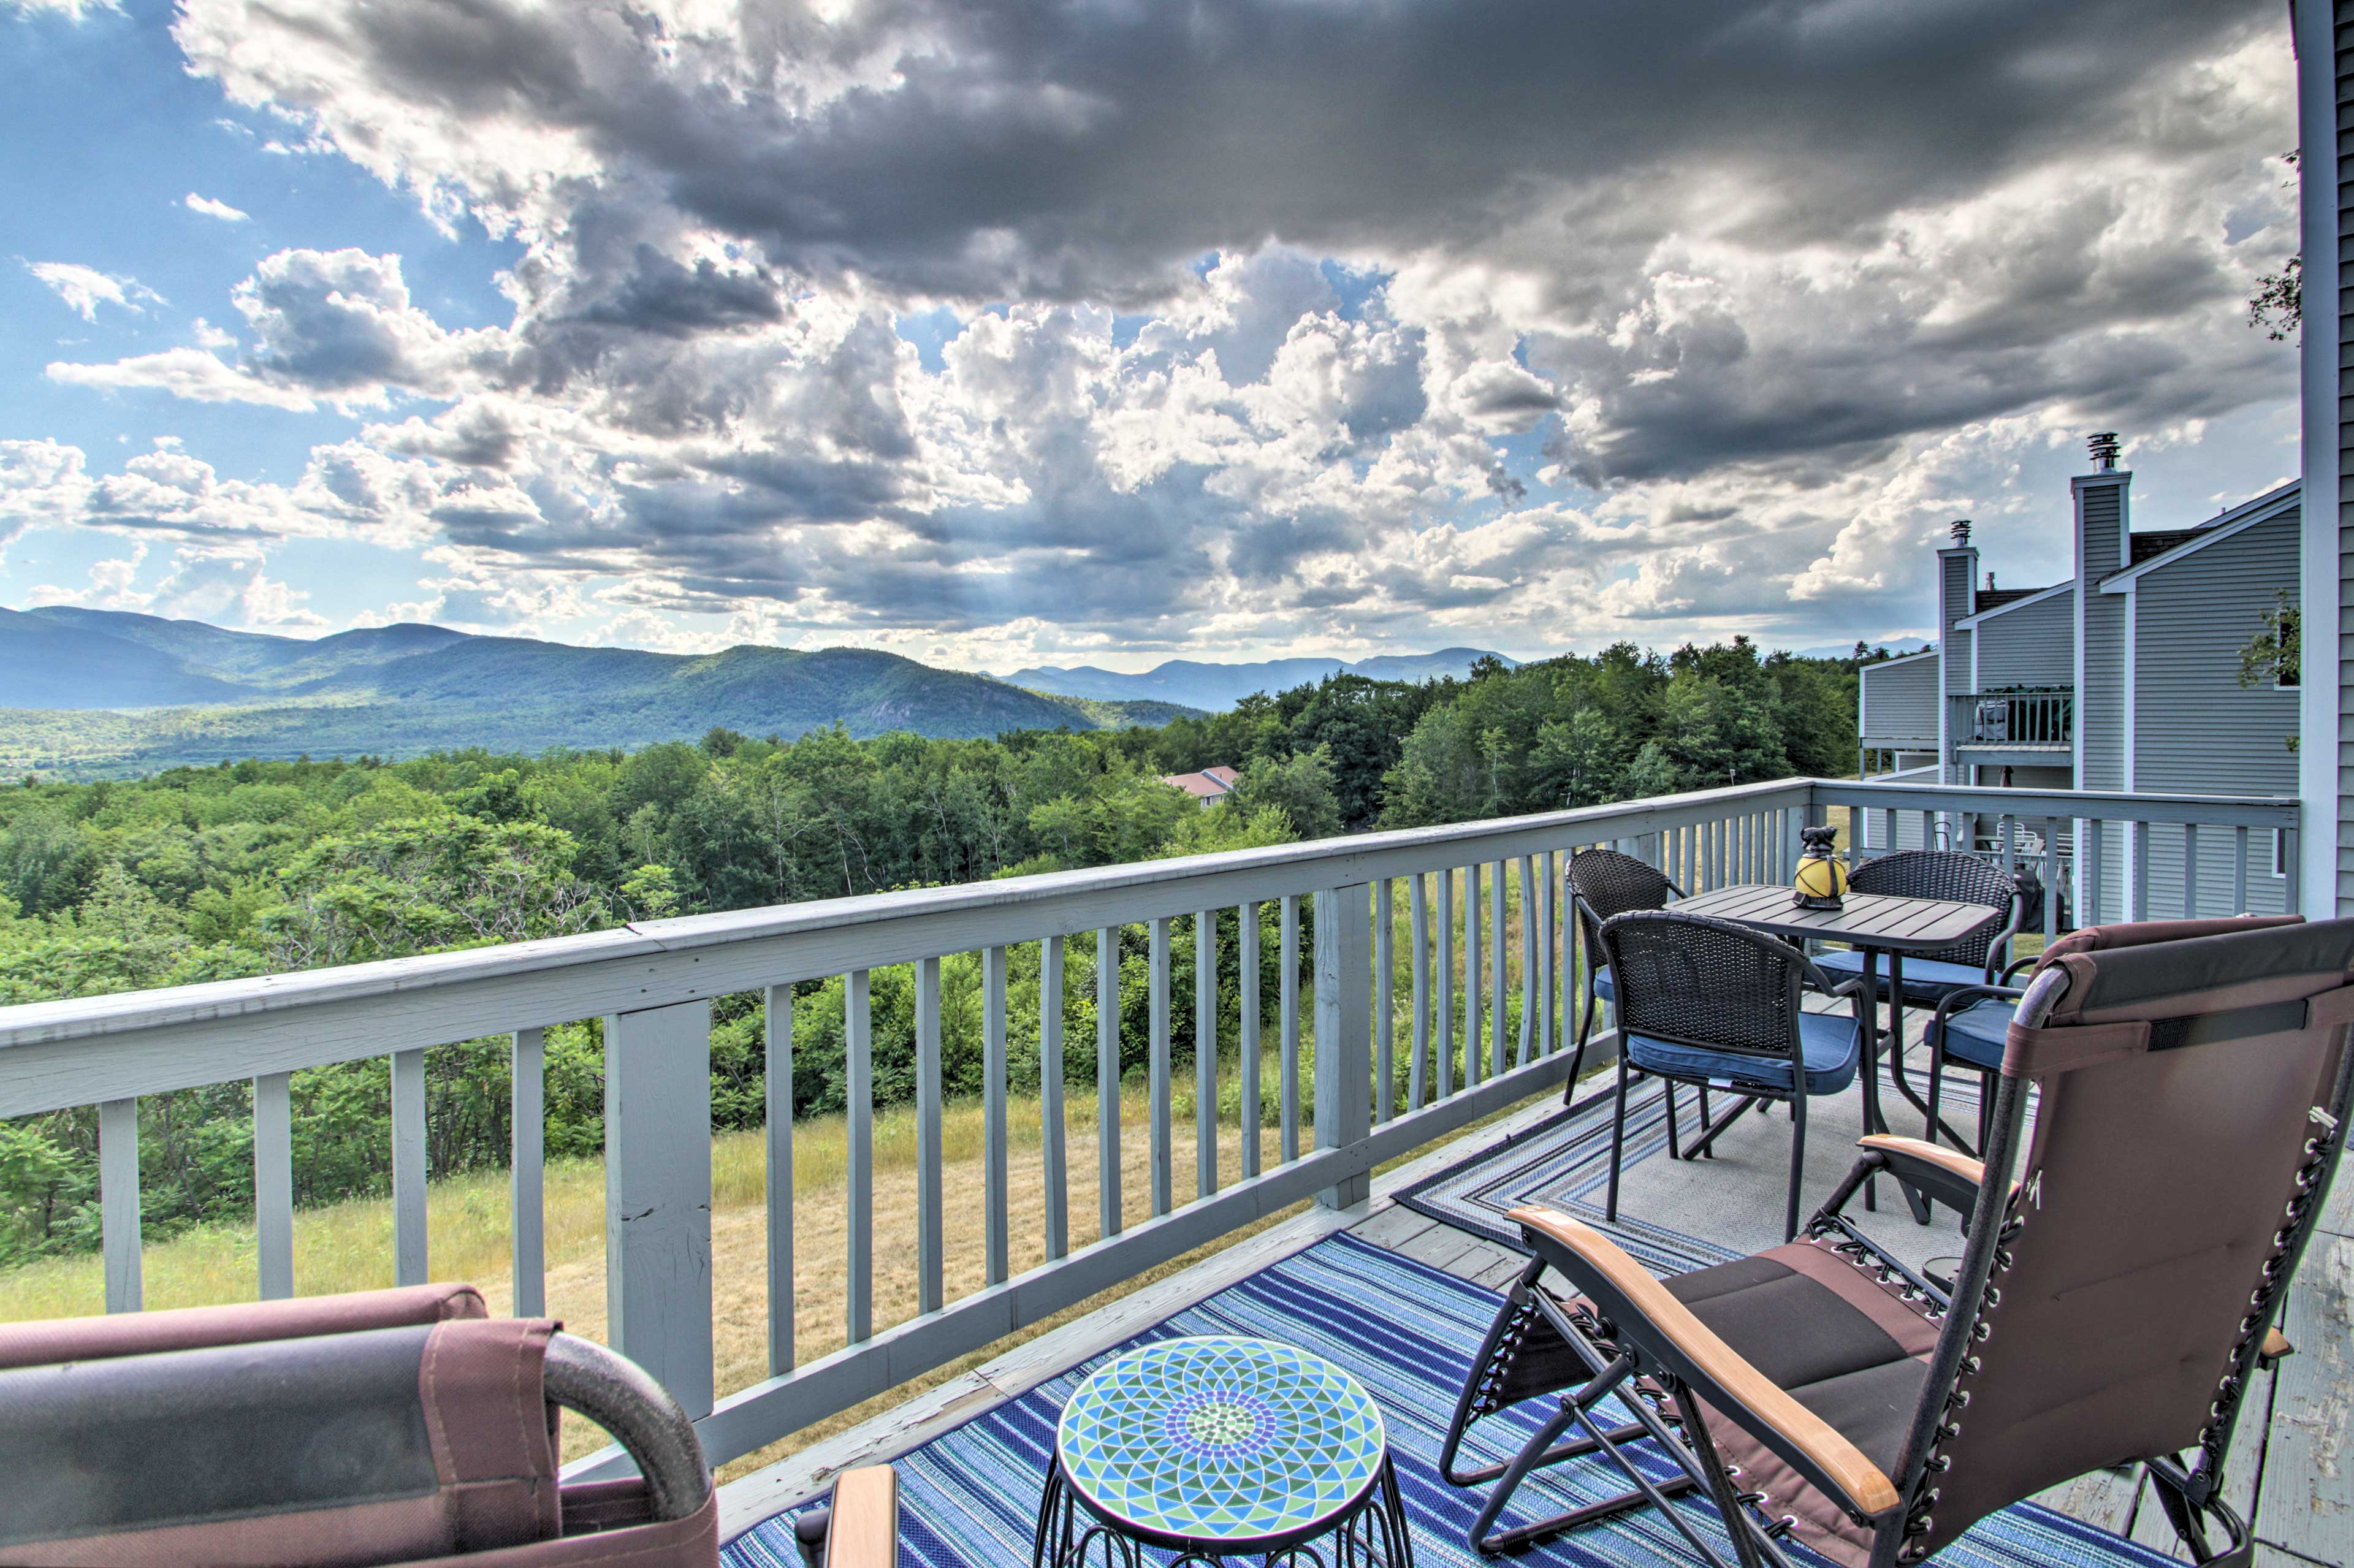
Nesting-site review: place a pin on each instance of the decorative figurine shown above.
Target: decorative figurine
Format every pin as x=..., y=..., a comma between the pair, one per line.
x=1822, y=876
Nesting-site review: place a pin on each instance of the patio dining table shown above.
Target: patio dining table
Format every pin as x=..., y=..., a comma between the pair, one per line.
x=1873, y=924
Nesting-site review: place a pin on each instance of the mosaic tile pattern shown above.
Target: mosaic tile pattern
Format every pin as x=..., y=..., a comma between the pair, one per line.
x=1220, y=1440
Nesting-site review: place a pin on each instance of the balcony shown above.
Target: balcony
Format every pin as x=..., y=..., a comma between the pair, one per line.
x=2034, y=724
x=1427, y=980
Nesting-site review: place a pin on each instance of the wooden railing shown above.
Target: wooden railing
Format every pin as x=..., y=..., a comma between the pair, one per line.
x=1390, y=1066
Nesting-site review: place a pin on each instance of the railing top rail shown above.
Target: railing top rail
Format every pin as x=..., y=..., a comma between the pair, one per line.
x=2105, y=805
x=1059, y=903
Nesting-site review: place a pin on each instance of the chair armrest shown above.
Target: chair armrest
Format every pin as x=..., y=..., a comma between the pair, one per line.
x=864, y=1533
x=1641, y=1307
x=1946, y=1174
x=2016, y=965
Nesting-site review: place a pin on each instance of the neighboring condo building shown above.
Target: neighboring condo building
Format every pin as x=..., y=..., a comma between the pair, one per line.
x=2128, y=676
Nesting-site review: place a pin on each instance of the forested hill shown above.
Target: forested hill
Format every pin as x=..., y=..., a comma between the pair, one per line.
x=255, y=867
x=402, y=691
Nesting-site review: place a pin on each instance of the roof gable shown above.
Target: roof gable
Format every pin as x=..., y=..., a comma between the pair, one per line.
x=2169, y=547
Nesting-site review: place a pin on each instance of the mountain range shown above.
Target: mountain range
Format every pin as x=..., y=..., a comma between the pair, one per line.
x=111, y=691
x=1219, y=686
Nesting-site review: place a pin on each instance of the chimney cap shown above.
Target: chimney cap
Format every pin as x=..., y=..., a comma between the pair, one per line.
x=1961, y=531
x=2103, y=448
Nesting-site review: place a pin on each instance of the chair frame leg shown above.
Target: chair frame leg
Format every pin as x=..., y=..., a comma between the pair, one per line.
x=1797, y=1167
x=1617, y=1141
x=1584, y=1032
x=2189, y=1505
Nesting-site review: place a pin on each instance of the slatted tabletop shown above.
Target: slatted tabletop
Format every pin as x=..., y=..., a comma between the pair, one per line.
x=1869, y=919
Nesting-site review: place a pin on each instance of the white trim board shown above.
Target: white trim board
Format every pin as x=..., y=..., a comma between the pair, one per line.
x=1970, y=623
x=745, y=1502
x=2237, y=521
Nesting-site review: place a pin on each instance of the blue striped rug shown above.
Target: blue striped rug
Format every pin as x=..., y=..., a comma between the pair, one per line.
x=968, y=1497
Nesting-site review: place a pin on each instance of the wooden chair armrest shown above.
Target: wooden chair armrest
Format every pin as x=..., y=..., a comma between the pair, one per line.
x=865, y=1529
x=1951, y=1160
x=1870, y=1490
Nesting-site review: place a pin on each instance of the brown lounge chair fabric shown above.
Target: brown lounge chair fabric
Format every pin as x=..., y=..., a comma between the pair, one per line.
x=386, y=1427
x=2190, y=1085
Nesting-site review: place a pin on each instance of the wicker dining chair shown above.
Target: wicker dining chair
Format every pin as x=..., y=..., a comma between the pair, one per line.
x=1948, y=874
x=1708, y=1002
x=2123, y=1271
x=1603, y=883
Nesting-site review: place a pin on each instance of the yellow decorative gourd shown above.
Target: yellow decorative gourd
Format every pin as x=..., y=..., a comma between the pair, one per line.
x=1821, y=879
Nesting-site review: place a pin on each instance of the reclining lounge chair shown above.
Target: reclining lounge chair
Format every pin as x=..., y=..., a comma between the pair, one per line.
x=391, y=1427
x=2118, y=1286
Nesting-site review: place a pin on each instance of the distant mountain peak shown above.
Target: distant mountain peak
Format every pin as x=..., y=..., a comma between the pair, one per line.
x=1215, y=687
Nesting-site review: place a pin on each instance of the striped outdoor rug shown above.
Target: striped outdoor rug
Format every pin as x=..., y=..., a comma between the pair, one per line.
x=1675, y=1215
x=968, y=1498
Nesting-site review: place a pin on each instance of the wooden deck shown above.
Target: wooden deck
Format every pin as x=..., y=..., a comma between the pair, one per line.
x=2291, y=1469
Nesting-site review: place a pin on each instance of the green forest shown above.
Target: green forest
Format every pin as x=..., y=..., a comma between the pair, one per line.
x=200, y=874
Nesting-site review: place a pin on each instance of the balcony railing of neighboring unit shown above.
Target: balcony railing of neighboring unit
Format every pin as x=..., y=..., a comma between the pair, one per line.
x=2039, y=717
x=1396, y=1063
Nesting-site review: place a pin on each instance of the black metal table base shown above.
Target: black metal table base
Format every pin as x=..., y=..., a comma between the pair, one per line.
x=1373, y=1534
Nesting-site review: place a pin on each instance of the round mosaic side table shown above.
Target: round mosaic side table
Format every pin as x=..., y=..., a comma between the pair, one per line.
x=1216, y=1448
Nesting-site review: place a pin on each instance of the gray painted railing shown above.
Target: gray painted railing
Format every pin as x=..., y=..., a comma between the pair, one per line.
x=653, y=983
x=2039, y=717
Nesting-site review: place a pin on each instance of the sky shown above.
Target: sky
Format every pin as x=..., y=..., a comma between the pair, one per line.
x=998, y=333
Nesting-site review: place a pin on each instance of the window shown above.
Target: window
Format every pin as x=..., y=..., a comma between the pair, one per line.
x=2280, y=853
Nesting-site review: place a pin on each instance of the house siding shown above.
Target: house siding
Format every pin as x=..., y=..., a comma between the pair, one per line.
x=2100, y=686
x=2196, y=729
x=2339, y=218
x=1898, y=701
x=2031, y=645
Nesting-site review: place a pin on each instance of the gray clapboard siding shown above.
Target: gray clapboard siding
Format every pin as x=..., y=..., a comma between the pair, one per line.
x=1897, y=700
x=2195, y=727
x=2029, y=645
x=2100, y=695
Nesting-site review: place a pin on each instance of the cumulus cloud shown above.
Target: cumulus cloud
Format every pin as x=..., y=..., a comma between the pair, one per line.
x=1486, y=319
x=84, y=289
x=189, y=372
x=71, y=10
x=209, y=208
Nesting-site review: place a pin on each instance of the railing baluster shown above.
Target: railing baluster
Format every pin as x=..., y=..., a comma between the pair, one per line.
x=858, y=1052
x=779, y=1093
x=2092, y=833
x=1108, y=1215
x=409, y=1265
x=931, y=1216
x=2240, y=873
x=527, y=1171
x=2137, y=868
x=1384, y=1003
x=1247, y=976
x=1544, y=874
x=1344, y=953
x=658, y=1195
x=2190, y=871
x=1418, y=915
x=1500, y=955
x=2051, y=889
x=118, y=1202
x=1474, y=1017
x=1445, y=983
x=1526, y=1039
x=1288, y=1093
x=1205, y=1052
x=1050, y=1096
x=273, y=1184
x=993, y=1091
x=1158, y=1064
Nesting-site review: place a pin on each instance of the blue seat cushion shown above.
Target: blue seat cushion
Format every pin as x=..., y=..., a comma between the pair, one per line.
x=1977, y=1033
x=1826, y=1040
x=1925, y=979
x=1604, y=986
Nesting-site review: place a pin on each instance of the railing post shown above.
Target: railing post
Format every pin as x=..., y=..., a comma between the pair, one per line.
x=118, y=1202
x=1345, y=1030
x=273, y=1184
x=658, y=1195
x=527, y=1169
x=409, y=1261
